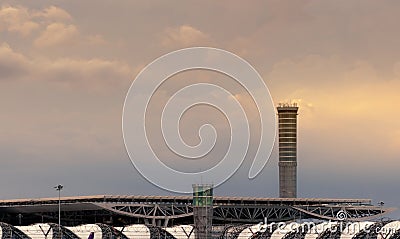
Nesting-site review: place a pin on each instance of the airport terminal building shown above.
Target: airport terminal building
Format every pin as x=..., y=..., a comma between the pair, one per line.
x=180, y=217
x=202, y=215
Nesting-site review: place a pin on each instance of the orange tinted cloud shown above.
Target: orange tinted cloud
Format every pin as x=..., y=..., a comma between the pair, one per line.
x=184, y=36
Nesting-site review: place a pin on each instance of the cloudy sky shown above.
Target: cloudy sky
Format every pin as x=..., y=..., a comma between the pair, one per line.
x=66, y=66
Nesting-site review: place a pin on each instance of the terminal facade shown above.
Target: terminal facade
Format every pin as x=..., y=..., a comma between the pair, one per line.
x=202, y=215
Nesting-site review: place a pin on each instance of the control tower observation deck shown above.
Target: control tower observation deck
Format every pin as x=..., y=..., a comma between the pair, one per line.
x=287, y=128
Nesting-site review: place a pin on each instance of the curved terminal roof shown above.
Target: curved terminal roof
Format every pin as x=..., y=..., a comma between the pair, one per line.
x=37, y=231
x=182, y=232
x=84, y=231
x=354, y=228
x=249, y=231
x=284, y=229
x=388, y=230
x=137, y=231
x=318, y=229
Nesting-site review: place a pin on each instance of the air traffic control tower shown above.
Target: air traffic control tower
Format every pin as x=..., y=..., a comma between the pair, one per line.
x=203, y=210
x=287, y=123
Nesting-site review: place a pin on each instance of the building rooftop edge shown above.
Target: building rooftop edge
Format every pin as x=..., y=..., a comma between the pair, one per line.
x=232, y=198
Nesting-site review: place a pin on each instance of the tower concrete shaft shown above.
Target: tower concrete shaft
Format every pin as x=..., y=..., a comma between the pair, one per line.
x=287, y=123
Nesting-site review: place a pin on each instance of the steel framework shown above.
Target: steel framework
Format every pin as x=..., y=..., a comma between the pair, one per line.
x=169, y=211
x=9, y=231
x=62, y=232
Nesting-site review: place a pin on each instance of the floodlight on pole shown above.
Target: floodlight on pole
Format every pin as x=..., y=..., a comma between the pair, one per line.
x=58, y=188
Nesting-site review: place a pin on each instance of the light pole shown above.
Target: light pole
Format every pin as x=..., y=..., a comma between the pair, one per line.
x=58, y=188
x=381, y=203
